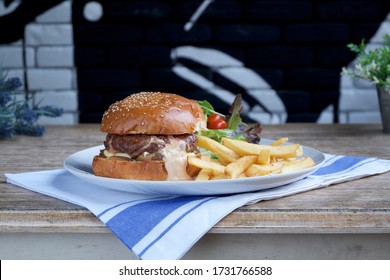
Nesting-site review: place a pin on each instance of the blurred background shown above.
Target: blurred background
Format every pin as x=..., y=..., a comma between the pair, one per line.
x=284, y=57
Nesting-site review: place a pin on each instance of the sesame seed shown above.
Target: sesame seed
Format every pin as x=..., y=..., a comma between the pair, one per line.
x=141, y=100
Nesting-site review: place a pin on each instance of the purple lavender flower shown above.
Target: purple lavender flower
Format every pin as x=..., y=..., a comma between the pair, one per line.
x=7, y=86
x=30, y=129
x=6, y=127
x=17, y=117
x=5, y=97
x=23, y=112
x=11, y=84
x=48, y=111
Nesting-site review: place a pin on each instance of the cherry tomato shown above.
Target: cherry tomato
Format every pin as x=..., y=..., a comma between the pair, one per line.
x=216, y=121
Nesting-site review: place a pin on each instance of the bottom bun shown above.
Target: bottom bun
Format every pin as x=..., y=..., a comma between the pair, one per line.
x=131, y=170
x=134, y=170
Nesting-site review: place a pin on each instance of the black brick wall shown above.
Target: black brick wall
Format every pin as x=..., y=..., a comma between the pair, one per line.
x=297, y=46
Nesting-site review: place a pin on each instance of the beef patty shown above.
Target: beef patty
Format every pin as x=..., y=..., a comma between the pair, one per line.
x=146, y=147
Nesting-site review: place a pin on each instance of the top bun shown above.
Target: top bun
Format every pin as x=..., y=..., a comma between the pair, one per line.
x=153, y=113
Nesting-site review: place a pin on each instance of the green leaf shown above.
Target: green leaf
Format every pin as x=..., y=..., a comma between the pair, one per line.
x=235, y=111
x=236, y=128
x=386, y=39
x=372, y=65
x=217, y=134
x=207, y=108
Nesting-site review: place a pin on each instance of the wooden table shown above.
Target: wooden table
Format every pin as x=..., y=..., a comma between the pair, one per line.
x=345, y=221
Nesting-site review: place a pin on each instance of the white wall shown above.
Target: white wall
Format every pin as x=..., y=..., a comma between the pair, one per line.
x=51, y=74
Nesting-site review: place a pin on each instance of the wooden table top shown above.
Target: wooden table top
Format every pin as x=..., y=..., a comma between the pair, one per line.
x=360, y=206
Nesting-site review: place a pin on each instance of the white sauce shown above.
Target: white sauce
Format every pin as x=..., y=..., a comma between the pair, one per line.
x=201, y=125
x=175, y=157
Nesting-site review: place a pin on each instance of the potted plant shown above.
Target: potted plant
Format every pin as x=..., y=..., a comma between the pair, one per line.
x=17, y=116
x=374, y=66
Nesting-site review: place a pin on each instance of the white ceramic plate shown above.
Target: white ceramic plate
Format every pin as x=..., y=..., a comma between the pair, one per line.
x=80, y=163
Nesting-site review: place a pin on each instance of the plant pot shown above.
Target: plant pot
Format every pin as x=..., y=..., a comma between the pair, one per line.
x=384, y=105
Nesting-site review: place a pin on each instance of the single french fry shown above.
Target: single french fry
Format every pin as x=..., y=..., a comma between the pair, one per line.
x=261, y=170
x=299, y=164
x=244, y=148
x=206, y=157
x=220, y=176
x=242, y=175
x=279, y=141
x=264, y=157
x=204, y=175
x=223, y=161
x=232, y=170
x=224, y=153
x=290, y=159
x=285, y=151
x=206, y=164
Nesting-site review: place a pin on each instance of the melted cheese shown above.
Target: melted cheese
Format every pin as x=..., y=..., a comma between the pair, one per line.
x=175, y=157
x=108, y=154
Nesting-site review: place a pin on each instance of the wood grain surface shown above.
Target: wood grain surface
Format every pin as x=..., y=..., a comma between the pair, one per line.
x=360, y=206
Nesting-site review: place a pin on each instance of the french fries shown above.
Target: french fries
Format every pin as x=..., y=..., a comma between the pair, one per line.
x=204, y=164
x=223, y=152
x=260, y=170
x=232, y=170
x=245, y=148
x=240, y=159
x=204, y=175
x=298, y=164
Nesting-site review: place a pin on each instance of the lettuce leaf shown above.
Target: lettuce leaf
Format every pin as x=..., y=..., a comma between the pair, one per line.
x=236, y=128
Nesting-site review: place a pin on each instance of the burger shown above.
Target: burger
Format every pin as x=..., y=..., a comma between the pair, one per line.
x=149, y=137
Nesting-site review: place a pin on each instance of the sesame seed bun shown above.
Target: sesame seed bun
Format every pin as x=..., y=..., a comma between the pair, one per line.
x=153, y=113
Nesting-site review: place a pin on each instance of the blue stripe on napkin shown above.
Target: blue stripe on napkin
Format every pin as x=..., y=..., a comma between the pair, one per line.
x=133, y=223
x=116, y=206
x=339, y=165
x=173, y=224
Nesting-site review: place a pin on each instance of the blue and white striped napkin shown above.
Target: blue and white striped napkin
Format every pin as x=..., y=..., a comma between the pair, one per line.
x=165, y=227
